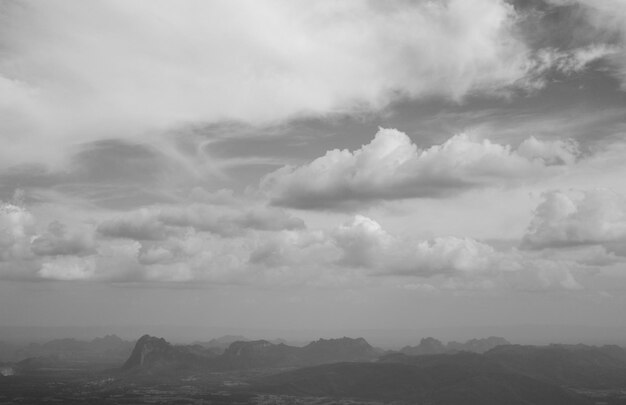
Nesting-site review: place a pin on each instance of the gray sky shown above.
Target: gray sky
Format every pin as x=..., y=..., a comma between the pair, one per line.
x=313, y=165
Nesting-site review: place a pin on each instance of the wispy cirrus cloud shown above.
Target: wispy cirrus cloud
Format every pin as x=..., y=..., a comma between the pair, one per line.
x=605, y=22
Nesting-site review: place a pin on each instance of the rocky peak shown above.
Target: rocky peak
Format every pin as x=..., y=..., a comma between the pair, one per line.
x=148, y=348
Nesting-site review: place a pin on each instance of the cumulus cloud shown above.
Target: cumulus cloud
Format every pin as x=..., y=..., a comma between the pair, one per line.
x=67, y=269
x=294, y=248
x=159, y=222
x=57, y=240
x=188, y=258
x=391, y=167
x=574, y=218
x=25, y=247
x=361, y=244
x=557, y=152
x=139, y=225
x=74, y=72
x=364, y=243
x=192, y=243
x=359, y=251
x=17, y=227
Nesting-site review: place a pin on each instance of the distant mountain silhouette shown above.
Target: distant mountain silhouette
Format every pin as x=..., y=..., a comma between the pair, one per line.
x=506, y=368
x=566, y=365
x=222, y=342
x=345, y=368
x=151, y=352
x=258, y=354
x=431, y=345
x=478, y=345
x=338, y=350
x=110, y=348
x=427, y=345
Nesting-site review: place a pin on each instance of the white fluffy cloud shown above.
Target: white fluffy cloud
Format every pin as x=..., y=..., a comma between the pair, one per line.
x=364, y=243
x=25, y=247
x=359, y=251
x=75, y=72
x=17, y=227
x=576, y=218
x=160, y=222
x=68, y=269
x=450, y=262
x=391, y=166
x=58, y=241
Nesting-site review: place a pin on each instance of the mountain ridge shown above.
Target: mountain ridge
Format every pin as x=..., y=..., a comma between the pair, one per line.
x=153, y=353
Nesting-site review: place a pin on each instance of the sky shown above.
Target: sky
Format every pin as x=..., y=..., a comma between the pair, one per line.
x=314, y=166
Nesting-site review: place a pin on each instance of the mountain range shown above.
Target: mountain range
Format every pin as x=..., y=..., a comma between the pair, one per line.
x=431, y=345
x=109, y=348
x=458, y=373
x=152, y=353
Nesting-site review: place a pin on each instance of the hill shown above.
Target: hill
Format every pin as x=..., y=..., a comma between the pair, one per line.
x=156, y=354
x=437, y=383
x=570, y=365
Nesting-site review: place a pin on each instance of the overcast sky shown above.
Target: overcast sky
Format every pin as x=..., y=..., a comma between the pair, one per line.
x=313, y=165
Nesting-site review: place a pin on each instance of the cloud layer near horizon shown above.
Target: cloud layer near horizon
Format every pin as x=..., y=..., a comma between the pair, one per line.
x=358, y=251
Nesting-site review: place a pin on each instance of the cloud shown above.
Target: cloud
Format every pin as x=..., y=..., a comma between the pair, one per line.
x=76, y=73
x=17, y=227
x=24, y=248
x=68, y=269
x=574, y=218
x=357, y=252
x=139, y=225
x=364, y=243
x=57, y=241
x=556, y=152
x=159, y=222
x=604, y=22
x=224, y=221
x=392, y=167
x=361, y=248
x=199, y=242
